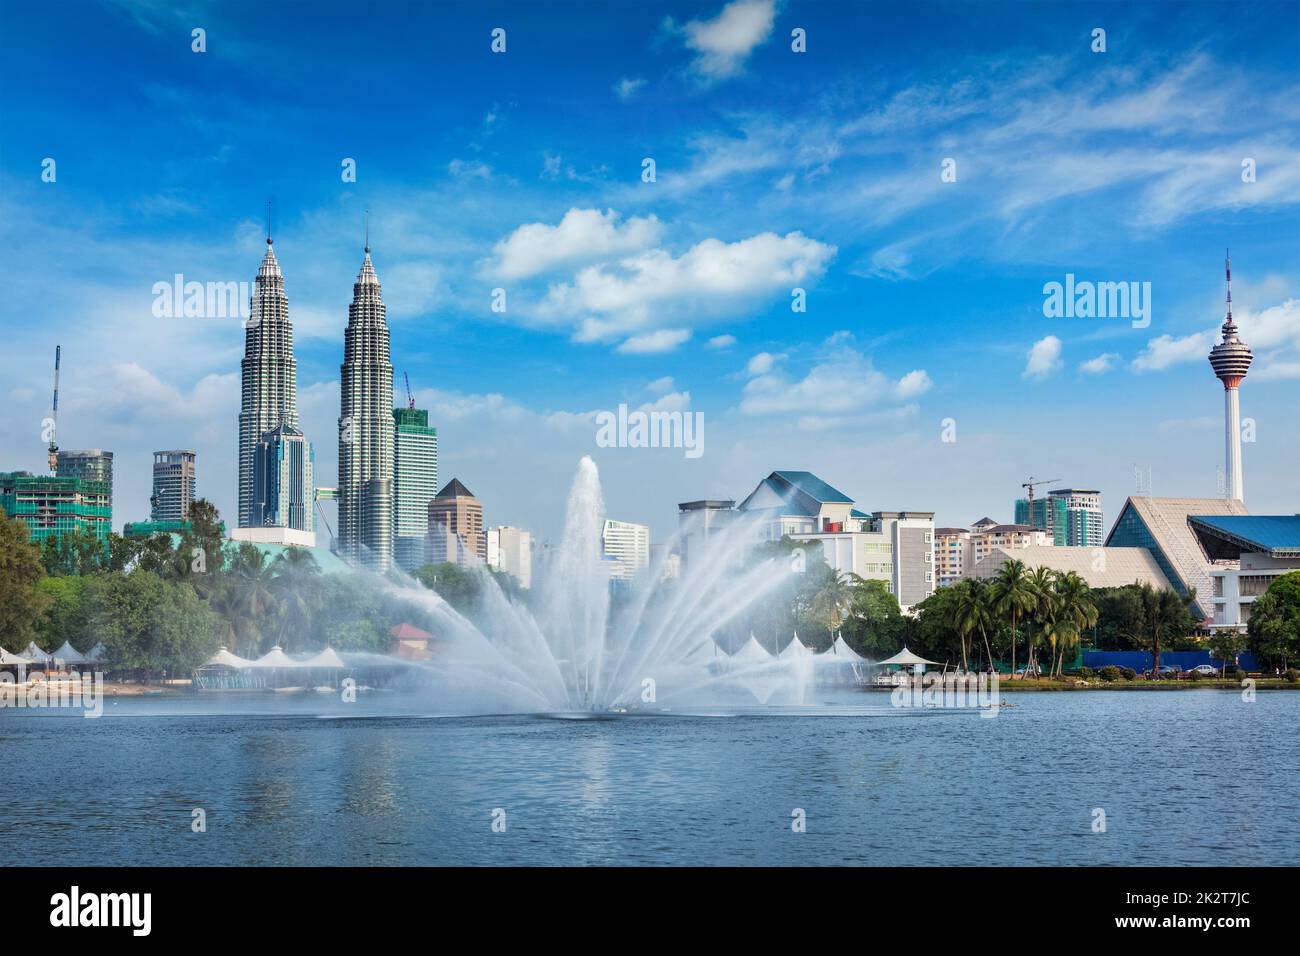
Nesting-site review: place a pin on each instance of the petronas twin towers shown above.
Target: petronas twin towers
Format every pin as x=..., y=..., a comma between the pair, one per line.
x=270, y=405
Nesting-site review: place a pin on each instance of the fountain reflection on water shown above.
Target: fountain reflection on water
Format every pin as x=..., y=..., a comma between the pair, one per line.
x=577, y=652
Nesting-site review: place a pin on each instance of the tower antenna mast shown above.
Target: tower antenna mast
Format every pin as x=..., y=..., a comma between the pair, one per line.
x=54, y=418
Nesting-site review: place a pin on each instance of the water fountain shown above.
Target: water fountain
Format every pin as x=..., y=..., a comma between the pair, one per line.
x=578, y=652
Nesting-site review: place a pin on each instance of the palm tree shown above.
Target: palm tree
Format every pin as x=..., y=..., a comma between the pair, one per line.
x=1013, y=592
x=1162, y=612
x=1074, y=613
x=251, y=577
x=293, y=584
x=973, y=613
x=1041, y=582
x=830, y=603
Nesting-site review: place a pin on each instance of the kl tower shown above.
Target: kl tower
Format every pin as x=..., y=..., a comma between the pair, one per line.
x=1231, y=359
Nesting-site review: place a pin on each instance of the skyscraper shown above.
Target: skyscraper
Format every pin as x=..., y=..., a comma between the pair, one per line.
x=1230, y=360
x=284, y=462
x=415, y=484
x=269, y=373
x=174, y=478
x=366, y=429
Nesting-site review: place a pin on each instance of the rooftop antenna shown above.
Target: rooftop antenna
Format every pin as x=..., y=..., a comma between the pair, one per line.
x=54, y=420
x=367, y=230
x=410, y=399
x=269, y=203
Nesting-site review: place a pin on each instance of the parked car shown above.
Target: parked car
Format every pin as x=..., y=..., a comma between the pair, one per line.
x=1205, y=670
x=1166, y=671
x=1027, y=671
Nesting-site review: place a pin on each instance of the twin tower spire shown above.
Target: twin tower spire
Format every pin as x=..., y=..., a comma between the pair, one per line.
x=365, y=426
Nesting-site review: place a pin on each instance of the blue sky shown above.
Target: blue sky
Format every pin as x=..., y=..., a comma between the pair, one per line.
x=775, y=169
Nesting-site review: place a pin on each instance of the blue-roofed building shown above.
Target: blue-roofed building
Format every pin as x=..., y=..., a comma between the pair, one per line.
x=896, y=547
x=1249, y=552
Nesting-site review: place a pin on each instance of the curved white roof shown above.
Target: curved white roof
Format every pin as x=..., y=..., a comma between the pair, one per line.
x=275, y=657
x=326, y=658
x=223, y=657
x=907, y=657
x=751, y=652
x=796, y=648
x=7, y=658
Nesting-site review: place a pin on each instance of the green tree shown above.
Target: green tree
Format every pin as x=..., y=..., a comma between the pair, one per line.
x=1041, y=615
x=1014, y=595
x=1274, y=626
x=149, y=624
x=973, y=614
x=1225, y=645
x=875, y=624
x=1163, y=616
x=830, y=602
x=295, y=584
x=65, y=619
x=22, y=604
x=1072, y=612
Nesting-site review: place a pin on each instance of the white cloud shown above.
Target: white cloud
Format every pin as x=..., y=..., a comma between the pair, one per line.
x=661, y=385
x=649, y=343
x=843, y=390
x=1277, y=372
x=712, y=278
x=1102, y=363
x=723, y=44
x=469, y=169
x=627, y=86
x=582, y=235
x=722, y=342
x=912, y=384
x=761, y=363
x=1165, y=350
x=1044, y=358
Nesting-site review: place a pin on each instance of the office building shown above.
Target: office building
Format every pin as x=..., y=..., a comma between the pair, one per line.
x=1071, y=517
x=511, y=550
x=283, y=475
x=455, y=527
x=626, y=546
x=415, y=484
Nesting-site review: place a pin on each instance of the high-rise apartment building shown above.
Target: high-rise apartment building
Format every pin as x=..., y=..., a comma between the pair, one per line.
x=366, y=431
x=415, y=484
x=283, y=480
x=455, y=527
x=269, y=375
x=1071, y=517
x=511, y=550
x=174, y=481
x=627, y=548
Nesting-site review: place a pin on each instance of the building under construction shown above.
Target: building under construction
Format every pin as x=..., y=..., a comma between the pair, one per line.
x=52, y=507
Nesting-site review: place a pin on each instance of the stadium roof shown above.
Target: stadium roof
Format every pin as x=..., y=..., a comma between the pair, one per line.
x=1227, y=536
x=1164, y=526
x=1100, y=567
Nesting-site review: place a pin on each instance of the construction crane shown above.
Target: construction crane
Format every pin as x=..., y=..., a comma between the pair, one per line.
x=410, y=399
x=1031, y=485
x=54, y=418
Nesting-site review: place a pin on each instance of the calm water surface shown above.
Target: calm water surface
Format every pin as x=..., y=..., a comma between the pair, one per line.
x=1195, y=777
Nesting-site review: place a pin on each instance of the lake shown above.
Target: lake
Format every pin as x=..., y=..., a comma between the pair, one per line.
x=1183, y=778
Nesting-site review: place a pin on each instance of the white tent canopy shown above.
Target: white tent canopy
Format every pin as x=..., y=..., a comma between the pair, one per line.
x=69, y=654
x=796, y=648
x=36, y=654
x=907, y=658
x=704, y=652
x=275, y=657
x=96, y=653
x=841, y=650
x=326, y=658
x=11, y=659
x=751, y=652
x=223, y=658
